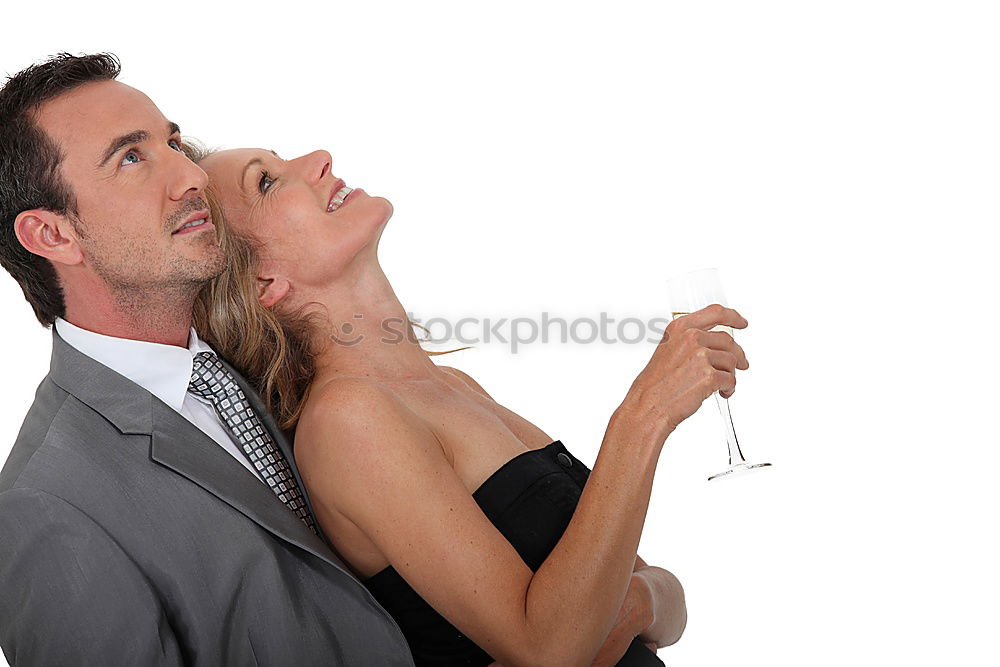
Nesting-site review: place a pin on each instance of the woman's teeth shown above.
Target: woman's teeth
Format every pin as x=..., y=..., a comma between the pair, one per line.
x=338, y=199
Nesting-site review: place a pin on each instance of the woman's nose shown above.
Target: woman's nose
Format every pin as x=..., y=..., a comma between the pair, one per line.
x=316, y=165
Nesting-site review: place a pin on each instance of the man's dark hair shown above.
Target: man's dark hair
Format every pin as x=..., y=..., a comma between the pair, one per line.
x=30, y=176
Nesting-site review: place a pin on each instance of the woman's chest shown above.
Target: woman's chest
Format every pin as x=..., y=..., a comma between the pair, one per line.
x=477, y=434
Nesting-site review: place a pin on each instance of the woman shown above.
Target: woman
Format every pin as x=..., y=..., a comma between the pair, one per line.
x=466, y=521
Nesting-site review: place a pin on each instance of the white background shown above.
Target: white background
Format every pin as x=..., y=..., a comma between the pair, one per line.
x=838, y=161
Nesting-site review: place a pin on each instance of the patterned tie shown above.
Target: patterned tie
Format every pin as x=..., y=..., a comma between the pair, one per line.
x=211, y=380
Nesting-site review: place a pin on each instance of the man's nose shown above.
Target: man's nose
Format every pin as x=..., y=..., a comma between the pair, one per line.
x=315, y=166
x=189, y=179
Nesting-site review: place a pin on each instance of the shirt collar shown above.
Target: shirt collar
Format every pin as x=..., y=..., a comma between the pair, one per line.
x=162, y=370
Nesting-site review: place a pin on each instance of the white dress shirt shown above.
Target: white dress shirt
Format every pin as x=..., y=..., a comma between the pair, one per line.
x=162, y=370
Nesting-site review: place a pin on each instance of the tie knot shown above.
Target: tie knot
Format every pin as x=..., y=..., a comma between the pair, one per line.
x=211, y=380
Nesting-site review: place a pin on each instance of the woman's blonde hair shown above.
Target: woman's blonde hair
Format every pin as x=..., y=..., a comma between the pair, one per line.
x=269, y=346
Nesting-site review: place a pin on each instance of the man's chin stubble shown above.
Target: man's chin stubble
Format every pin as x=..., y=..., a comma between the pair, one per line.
x=175, y=292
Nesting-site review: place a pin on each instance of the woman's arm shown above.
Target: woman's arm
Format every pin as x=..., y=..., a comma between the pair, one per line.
x=654, y=608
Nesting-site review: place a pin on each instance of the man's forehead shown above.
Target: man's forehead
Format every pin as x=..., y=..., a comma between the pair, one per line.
x=89, y=115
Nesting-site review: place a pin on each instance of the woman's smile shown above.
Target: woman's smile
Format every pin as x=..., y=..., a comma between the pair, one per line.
x=340, y=192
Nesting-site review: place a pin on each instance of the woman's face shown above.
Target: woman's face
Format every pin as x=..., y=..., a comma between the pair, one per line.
x=309, y=236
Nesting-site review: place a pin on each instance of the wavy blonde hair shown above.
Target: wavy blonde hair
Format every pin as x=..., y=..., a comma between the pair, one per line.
x=269, y=346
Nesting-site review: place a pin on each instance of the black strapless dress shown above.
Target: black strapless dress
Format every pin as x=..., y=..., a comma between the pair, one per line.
x=530, y=500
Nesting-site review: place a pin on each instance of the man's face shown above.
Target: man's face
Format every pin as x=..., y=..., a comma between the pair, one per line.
x=134, y=190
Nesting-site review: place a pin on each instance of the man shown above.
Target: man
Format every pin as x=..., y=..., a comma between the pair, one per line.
x=150, y=510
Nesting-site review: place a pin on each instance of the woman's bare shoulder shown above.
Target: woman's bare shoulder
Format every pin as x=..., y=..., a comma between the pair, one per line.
x=345, y=393
x=355, y=435
x=353, y=407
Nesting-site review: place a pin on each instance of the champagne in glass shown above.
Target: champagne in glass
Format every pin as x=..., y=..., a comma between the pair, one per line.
x=690, y=292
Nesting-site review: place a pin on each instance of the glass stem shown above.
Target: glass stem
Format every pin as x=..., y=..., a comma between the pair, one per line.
x=735, y=455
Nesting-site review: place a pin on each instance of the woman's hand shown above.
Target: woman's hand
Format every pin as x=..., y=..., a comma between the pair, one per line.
x=689, y=364
x=634, y=617
x=669, y=609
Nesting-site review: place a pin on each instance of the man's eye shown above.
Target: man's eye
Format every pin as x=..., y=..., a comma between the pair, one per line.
x=175, y=144
x=265, y=182
x=131, y=157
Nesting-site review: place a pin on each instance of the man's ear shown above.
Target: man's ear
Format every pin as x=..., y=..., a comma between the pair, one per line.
x=271, y=290
x=49, y=235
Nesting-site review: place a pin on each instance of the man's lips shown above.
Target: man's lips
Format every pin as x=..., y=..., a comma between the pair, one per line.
x=183, y=228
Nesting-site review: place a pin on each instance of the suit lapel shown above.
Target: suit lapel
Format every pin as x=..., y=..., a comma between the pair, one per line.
x=182, y=447
x=185, y=449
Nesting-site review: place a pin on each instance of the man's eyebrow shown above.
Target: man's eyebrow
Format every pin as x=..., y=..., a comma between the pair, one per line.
x=134, y=137
x=243, y=175
x=121, y=142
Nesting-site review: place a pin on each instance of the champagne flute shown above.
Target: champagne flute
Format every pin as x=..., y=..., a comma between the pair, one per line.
x=690, y=292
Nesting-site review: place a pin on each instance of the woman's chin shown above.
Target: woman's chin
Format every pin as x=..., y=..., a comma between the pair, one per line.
x=371, y=208
x=386, y=206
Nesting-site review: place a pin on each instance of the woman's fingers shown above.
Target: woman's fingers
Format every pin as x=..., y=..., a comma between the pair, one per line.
x=721, y=360
x=721, y=340
x=723, y=381
x=709, y=317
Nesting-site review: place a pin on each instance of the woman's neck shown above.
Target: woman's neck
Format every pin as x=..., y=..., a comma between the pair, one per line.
x=365, y=331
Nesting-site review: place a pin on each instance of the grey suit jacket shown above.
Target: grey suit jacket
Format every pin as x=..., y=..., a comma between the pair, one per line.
x=129, y=537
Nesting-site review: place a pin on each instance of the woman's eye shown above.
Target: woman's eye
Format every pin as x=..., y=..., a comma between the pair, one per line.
x=265, y=182
x=175, y=144
x=131, y=157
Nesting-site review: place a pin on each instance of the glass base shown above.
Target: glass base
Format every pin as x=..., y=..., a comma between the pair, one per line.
x=737, y=470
